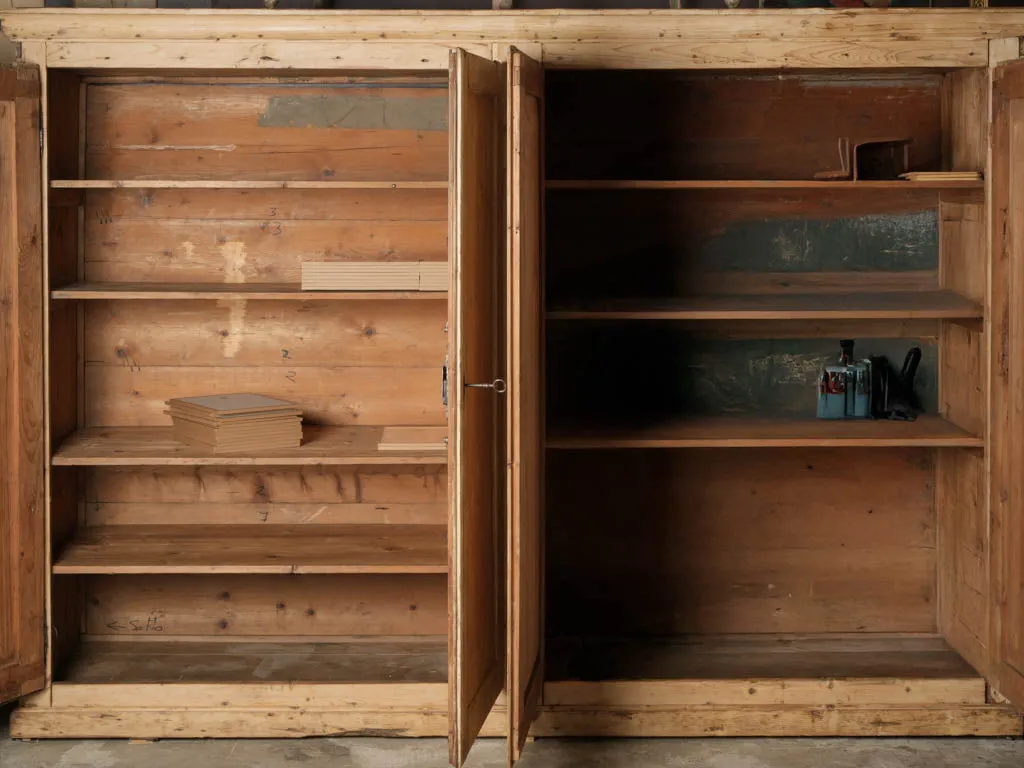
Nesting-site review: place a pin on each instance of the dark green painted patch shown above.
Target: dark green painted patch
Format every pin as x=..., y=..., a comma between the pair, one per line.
x=878, y=242
x=603, y=373
x=357, y=112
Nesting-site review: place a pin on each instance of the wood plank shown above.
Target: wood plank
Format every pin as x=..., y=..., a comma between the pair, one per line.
x=255, y=56
x=793, y=306
x=270, y=608
x=371, y=276
x=158, y=183
x=905, y=690
x=827, y=721
x=348, y=660
x=729, y=53
x=812, y=670
x=414, y=439
x=735, y=432
x=476, y=354
x=23, y=583
x=156, y=446
x=286, y=336
x=374, y=696
x=781, y=184
x=455, y=27
x=525, y=419
x=218, y=291
x=130, y=549
x=354, y=132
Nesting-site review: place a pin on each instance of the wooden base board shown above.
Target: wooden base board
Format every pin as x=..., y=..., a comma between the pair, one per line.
x=696, y=721
x=93, y=723
x=780, y=720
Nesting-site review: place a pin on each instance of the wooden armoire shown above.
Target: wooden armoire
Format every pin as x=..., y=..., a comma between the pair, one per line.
x=654, y=243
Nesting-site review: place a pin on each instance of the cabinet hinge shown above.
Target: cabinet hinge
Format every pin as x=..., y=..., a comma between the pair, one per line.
x=40, y=140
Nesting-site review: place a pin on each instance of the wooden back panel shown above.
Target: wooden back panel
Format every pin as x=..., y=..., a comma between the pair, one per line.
x=283, y=131
x=720, y=541
x=669, y=125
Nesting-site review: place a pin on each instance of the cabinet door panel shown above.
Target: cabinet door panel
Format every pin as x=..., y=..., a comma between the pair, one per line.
x=476, y=413
x=1007, y=380
x=525, y=120
x=22, y=566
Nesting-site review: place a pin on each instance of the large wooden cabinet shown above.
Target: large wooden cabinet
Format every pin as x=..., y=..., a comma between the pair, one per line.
x=638, y=527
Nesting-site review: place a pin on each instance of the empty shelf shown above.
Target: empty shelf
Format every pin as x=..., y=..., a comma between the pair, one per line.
x=809, y=670
x=347, y=660
x=229, y=184
x=267, y=291
x=156, y=446
x=780, y=184
x=737, y=432
x=119, y=549
x=910, y=305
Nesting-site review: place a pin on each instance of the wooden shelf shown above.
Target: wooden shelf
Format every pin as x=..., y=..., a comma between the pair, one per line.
x=156, y=446
x=258, y=291
x=227, y=184
x=737, y=432
x=760, y=669
x=915, y=305
x=172, y=549
x=407, y=659
x=780, y=184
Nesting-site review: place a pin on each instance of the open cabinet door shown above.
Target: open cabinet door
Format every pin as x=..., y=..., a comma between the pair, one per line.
x=1007, y=375
x=22, y=570
x=476, y=426
x=525, y=121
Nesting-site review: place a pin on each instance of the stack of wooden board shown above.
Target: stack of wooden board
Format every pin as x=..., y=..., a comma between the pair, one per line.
x=226, y=423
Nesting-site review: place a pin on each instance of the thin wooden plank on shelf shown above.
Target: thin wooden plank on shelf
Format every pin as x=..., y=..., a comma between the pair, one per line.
x=236, y=184
x=930, y=184
x=156, y=446
x=255, y=549
x=219, y=291
x=897, y=305
x=738, y=432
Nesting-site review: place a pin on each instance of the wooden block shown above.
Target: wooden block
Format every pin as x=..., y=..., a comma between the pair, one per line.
x=374, y=276
x=413, y=439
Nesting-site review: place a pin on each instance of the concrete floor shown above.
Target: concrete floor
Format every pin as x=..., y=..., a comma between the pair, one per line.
x=544, y=753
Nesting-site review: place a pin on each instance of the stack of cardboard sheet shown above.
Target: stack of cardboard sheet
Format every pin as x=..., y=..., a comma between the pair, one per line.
x=233, y=423
x=939, y=176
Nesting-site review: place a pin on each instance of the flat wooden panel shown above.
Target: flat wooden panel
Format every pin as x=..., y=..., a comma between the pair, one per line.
x=254, y=236
x=524, y=123
x=752, y=125
x=219, y=291
x=264, y=606
x=962, y=535
x=953, y=26
x=476, y=421
x=269, y=334
x=299, y=496
x=344, y=132
x=22, y=554
x=740, y=432
x=1007, y=381
x=781, y=720
x=850, y=306
x=776, y=184
x=811, y=668
x=131, y=549
x=347, y=660
x=156, y=446
x=650, y=542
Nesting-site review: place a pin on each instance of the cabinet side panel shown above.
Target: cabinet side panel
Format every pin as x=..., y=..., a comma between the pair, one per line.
x=962, y=547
